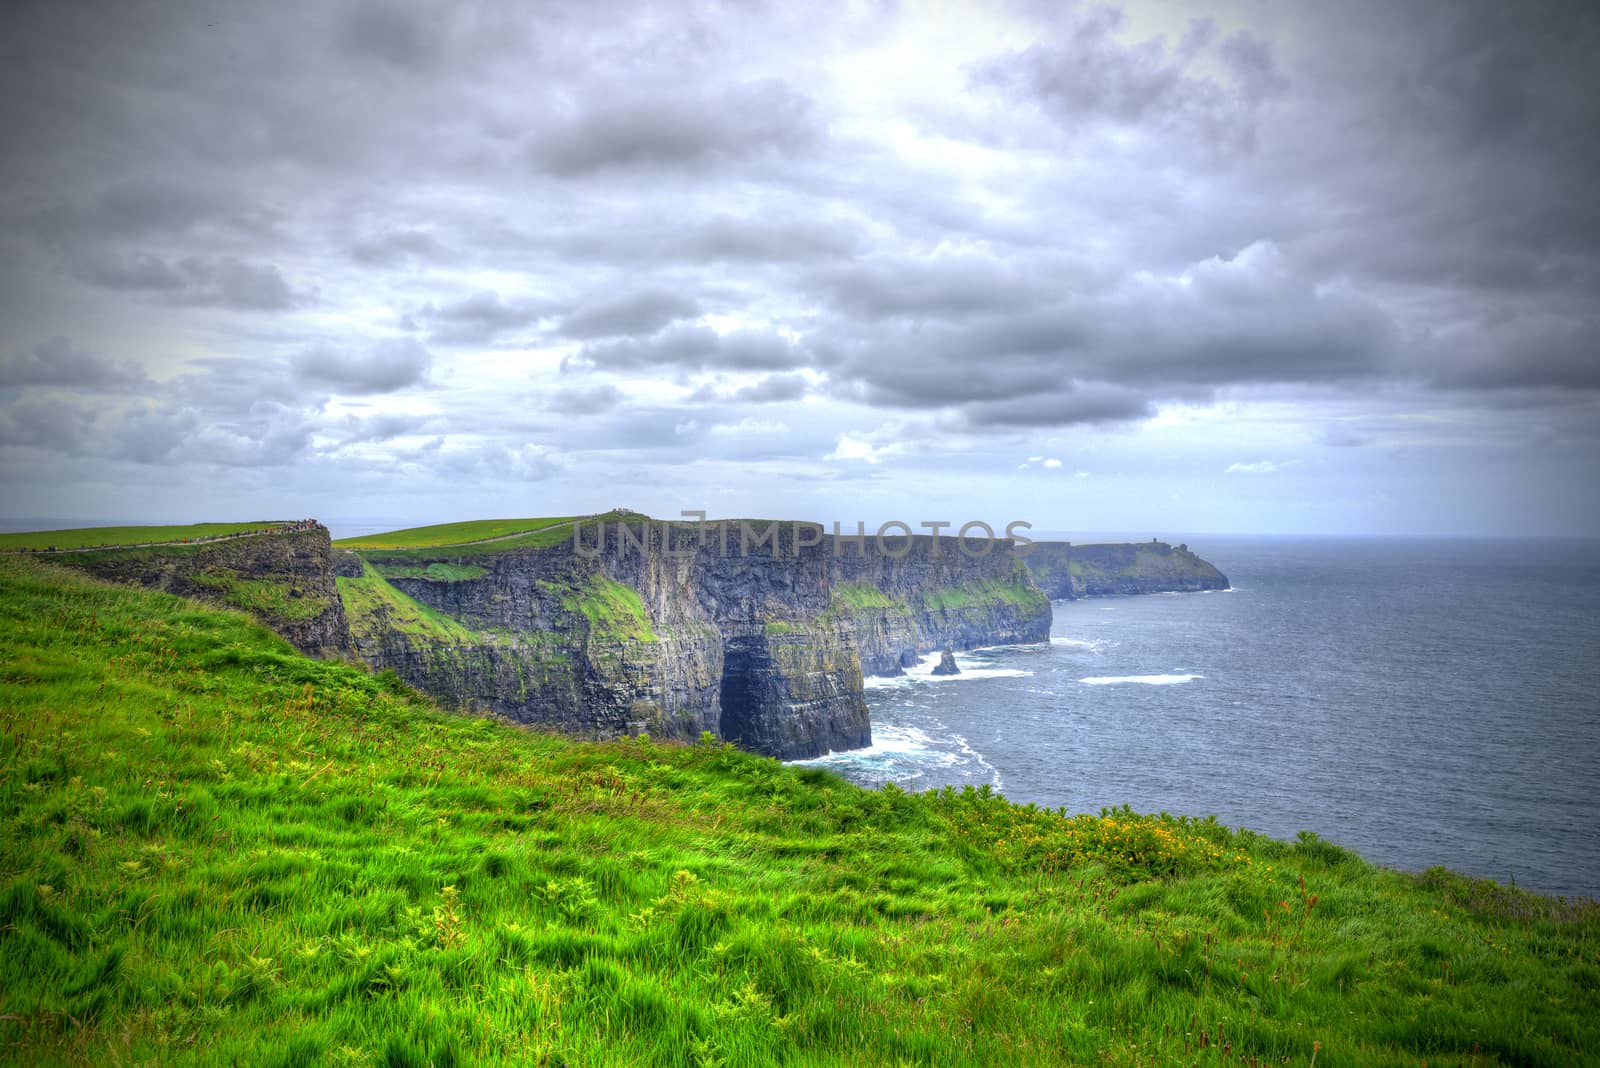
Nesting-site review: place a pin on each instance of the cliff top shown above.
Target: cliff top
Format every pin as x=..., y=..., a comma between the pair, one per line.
x=127, y=537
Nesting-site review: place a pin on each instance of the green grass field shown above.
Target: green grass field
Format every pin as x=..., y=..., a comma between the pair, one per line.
x=215, y=851
x=446, y=534
x=94, y=537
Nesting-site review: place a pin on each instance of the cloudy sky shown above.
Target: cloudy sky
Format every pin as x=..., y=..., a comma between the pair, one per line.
x=1234, y=266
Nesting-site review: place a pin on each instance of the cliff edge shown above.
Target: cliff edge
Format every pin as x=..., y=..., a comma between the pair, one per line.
x=1065, y=571
x=757, y=631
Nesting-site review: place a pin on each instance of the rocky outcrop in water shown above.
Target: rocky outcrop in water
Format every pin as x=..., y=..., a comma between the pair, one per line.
x=1065, y=571
x=764, y=646
x=947, y=663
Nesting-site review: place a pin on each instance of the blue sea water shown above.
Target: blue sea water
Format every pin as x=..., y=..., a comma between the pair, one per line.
x=1420, y=701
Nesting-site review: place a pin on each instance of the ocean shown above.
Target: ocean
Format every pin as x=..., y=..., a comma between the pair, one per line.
x=1419, y=701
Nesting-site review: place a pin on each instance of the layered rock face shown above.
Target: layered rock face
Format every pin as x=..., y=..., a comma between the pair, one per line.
x=1065, y=571
x=763, y=644
x=284, y=579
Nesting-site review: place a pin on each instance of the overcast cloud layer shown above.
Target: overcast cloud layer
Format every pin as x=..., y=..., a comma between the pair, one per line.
x=1234, y=266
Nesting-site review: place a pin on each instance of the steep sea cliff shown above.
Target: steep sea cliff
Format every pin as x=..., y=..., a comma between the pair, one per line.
x=758, y=632
x=763, y=644
x=1066, y=571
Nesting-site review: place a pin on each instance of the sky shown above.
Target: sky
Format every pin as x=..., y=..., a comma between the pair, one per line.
x=1239, y=266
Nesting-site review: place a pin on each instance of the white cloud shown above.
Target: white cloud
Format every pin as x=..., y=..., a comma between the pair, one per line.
x=1259, y=467
x=854, y=448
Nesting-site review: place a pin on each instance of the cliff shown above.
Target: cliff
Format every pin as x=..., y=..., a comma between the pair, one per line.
x=1065, y=571
x=284, y=578
x=764, y=645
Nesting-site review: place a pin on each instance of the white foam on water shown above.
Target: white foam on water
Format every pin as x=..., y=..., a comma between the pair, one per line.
x=971, y=667
x=884, y=682
x=891, y=745
x=1147, y=680
x=978, y=758
x=1094, y=645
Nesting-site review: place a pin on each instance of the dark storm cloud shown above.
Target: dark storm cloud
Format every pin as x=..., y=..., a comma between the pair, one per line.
x=224, y=387
x=480, y=318
x=677, y=127
x=152, y=434
x=382, y=367
x=48, y=425
x=650, y=239
x=1090, y=76
x=584, y=400
x=384, y=426
x=774, y=388
x=1078, y=228
x=144, y=208
x=397, y=246
x=945, y=287
x=218, y=282
x=1252, y=318
x=57, y=362
x=637, y=313
x=389, y=33
x=1061, y=408
x=230, y=283
x=1531, y=352
x=769, y=390
x=697, y=348
x=134, y=271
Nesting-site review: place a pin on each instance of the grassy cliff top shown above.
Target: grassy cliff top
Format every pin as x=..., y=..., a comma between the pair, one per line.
x=442, y=534
x=97, y=537
x=214, y=851
x=479, y=536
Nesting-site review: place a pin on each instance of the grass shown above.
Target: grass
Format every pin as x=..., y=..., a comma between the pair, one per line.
x=614, y=610
x=864, y=595
x=444, y=534
x=434, y=572
x=214, y=851
x=372, y=606
x=96, y=537
x=982, y=591
x=421, y=548
x=265, y=597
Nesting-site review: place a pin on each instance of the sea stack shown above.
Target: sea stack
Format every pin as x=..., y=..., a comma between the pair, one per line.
x=947, y=663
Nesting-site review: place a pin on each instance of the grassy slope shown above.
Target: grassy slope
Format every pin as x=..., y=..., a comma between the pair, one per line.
x=88, y=537
x=214, y=850
x=420, y=547
x=370, y=602
x=445, y=534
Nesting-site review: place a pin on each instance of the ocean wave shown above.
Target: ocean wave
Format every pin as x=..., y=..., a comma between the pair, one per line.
x=1148, y=680
x=1094, y=645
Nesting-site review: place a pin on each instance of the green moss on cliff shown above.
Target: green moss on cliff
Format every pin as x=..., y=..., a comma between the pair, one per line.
x=434, y=572
x=979, y=591
x=614, y=610
x=265, y=597
x=864, y=595
x=373, y=606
